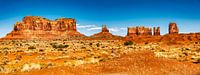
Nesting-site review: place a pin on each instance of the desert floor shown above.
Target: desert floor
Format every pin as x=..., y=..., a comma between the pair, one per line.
x=135, y=63
x=97, y=57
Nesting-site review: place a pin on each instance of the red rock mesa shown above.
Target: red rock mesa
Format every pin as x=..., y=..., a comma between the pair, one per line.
x=35, y=27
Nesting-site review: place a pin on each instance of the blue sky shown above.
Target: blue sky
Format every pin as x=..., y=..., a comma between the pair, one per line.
x=116, y=14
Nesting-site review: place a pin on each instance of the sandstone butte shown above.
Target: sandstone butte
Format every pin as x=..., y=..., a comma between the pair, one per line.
x=35, y=27
x=141, y=34
x=105, y=34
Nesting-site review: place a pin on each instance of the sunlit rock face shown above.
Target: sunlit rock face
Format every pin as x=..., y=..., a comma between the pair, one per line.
x=104, y=28
x=173, y=28
x=35, y=27
x=139, y=31
x=105, y=34
x=156, y=31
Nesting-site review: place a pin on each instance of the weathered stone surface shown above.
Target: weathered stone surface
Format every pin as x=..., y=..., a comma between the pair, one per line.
x=173, y=29
x=39, y=23
x=132, y=31
x=156, y=31
x=139, y=31
x=35, y=27
x=104, y=29
x=105, y=34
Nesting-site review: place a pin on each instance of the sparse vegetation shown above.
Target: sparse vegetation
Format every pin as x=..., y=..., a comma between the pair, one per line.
x=98, y=44
x=75, y=53
x=128, y=43
x=31, y=47
x=59, y=46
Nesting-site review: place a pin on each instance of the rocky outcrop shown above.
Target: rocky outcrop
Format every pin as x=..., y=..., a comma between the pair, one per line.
x=132, y=31
x=139, y=31
x=173, y=29
x=35, y=27
x=141, y=34
x=105, y=34
x=104, y=29
x=156, y=31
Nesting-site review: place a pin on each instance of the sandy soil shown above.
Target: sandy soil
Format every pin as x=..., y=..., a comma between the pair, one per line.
x=136, y=63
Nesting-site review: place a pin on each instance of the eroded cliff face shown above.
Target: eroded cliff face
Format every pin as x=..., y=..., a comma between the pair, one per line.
x=105, y=34
x=139, y=31
x=35, y=27
x=104, y=29
x=173, y=28
x=143, y=35
x=156, y=31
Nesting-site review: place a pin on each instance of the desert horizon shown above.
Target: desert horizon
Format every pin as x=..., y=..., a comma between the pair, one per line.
x=114, y=29
x=103, y=37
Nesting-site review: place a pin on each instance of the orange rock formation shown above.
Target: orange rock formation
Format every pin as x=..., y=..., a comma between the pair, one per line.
x=139, y=31
x=105, y=34
x=173, y=29
x=35, y=27
x=141, y=35
x=156, y=31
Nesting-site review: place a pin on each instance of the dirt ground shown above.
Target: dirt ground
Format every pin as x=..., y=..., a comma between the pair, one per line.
x=135, y=63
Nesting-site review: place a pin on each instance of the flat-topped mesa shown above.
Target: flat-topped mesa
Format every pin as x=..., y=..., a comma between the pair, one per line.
x=39, y=23
x=139, y=31
x=173, y=29
x=156, y=31
x=132, y=31
x=38, y=27
x=66, y=24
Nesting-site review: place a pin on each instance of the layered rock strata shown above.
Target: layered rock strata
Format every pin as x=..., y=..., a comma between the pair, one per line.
x=35, y=27
x=173, y=28
x=139, y=31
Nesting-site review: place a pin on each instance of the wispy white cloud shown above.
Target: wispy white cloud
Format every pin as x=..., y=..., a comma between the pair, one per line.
x=114, y=29
x=117, y=29
x=123, y=28
x=85, y=26
x=90, y=27
x=94, y=28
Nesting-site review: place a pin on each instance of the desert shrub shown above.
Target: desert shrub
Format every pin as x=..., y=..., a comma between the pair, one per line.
x=197, y=61
x=103, y=60
x=65, y=61
x=6, y=48
x=90, y=44
x=60, y=49
x=59, y=46
x=98, y=44
x=128, y=43
x=53, y=43
x=31, y=47
x=83, y=47
x=41, y=50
